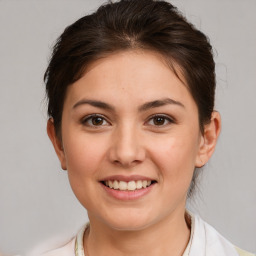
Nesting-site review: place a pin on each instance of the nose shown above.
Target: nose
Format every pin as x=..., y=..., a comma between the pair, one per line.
x=127, y=149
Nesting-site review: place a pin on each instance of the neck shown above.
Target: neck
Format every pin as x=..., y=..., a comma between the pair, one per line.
x=168, y=237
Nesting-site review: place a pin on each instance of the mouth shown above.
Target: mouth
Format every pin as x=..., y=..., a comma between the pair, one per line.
x=132, y=185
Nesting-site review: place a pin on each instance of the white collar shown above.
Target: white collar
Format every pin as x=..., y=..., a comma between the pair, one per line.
x=204, y=241
x=79, y=248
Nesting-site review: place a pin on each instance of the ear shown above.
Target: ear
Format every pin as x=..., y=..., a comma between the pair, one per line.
x=208, y=140
x=57, y=143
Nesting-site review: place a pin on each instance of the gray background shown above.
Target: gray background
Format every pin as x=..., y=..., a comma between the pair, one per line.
x=35, y=198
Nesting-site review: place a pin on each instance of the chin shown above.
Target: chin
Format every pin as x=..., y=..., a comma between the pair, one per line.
x=129, y=222
x=129, y=226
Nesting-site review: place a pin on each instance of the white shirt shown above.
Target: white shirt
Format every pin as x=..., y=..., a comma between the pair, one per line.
x=204, y=241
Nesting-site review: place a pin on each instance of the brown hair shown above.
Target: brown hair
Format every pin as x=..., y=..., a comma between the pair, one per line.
x=133, y=24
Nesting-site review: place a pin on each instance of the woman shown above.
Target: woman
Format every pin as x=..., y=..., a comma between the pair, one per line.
x=131, y=106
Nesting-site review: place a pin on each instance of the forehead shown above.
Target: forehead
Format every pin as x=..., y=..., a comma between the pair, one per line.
x=129, y=75
x=138, y=56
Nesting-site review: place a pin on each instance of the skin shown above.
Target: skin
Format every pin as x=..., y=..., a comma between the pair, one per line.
x=129, y=140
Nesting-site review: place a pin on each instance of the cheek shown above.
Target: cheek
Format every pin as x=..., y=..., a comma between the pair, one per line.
x=175, y=156
x=84, y=154
x=84, y=158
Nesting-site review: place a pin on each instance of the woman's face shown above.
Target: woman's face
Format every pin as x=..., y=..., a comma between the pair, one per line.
x=129, y=122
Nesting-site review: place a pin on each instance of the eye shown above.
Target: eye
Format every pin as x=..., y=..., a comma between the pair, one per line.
x=94, y=121
x=160, y=120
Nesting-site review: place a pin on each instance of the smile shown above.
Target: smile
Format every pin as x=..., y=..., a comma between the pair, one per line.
x=128, y=186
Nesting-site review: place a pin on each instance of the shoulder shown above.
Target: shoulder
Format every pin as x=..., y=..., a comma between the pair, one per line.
x=207, y=241
x=66, y=250
x=244, y=253
x=69, y=248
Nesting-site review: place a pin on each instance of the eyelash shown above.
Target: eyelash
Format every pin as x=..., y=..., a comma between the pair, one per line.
x=85, y=121
x=164, y=117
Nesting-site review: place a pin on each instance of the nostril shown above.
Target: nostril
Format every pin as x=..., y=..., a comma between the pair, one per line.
x=126, y=150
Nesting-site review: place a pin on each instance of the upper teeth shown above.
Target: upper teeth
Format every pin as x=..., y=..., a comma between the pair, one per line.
x=131, y=185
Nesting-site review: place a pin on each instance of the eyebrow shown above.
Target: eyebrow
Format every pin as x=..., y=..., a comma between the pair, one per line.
x=160, y=103
x=94, y=103
x=144, y=107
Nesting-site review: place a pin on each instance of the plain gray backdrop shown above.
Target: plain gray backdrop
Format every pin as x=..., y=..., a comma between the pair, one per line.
x=36, y=201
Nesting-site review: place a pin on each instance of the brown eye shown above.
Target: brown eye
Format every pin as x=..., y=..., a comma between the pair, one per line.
x=94, y=121
x=97, y=120
x=159, y=120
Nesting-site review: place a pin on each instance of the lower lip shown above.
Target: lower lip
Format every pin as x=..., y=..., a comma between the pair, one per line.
x=126, y=194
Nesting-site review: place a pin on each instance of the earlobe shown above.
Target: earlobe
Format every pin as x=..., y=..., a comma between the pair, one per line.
x=209, y=139
x=56, y=142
